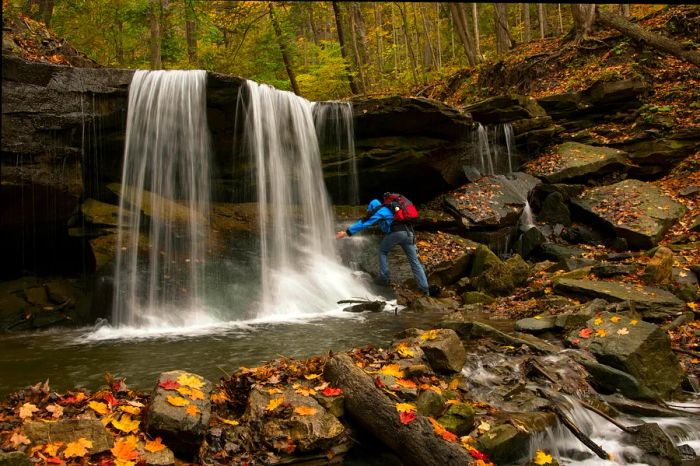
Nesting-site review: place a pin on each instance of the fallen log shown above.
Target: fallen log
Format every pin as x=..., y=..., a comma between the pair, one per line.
x=415, y=443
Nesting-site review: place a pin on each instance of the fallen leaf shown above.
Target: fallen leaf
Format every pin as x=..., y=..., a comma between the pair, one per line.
x=312, y=376
x=27, y=410
x=623, y=331
x=601, y=332
x=53, y=460
x=430, y=335
x=77, y=398
x=274, y=391
x=230, y=422
x=404, y=351
x=598, y=321
x=126, y=424
x=274, y=403
x=330, y=391
x=585, y=333
x=77, y=448
x=191, y=381
x=184, y=391
x=169, y=384
x=119, y=462
x=131, y=410
x=52, y=448
x=483, y=427
x=192, y=410
x=18, y=439
x=405, y=383
x=393, y=370
x=633, y=322
x=177, y=401
x=154, y=446
x=403, y=407
x=542, y=458
x=219, y=397
x=303, y=391
x=124, y=449
x=305, y=411
x=615, y=319
x=406, y=417
x=441, y=431
x=98, y=407
x=56, y=412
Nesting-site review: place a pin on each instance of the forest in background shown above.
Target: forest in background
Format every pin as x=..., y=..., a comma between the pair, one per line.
x=320, y=50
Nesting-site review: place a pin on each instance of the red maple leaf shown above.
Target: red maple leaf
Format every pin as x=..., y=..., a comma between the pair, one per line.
x=110, y=400
x=329, y=391
x=585, y=333
x=169, y=384
x=407, y=417
x=378, y=383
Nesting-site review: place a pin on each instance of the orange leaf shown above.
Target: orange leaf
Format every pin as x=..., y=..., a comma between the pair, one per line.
x=405, y=407
x=406, y=383
x=52, y=448
x=18, y=439
x=125, y=448
x=305, y=411
x=219, y=397
x=56, y=412
x=393, y=370
x=177, y=401
x=601, y=332
x=274, y=403
x=192, y=410
x=131, y=410
x=77, y=448
x=184, y=391
x=154, y=446
x=429, y=335
x=585, y=333
x=196, y=394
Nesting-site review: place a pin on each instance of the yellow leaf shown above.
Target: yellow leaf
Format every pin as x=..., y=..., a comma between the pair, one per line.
x=219, y=397
x=274, y=403
x=542, y=458
x=404, y=351
x=623, y=331
x=154, y=446
x=483, y=427
x=197, y=394
x=230, y=422
x=131, y=410
x=192, y=410
x=191, y=381
x=601, y=332
x=56, y=411
x=303, y=391
x=77, y=448
x=184, y=391
x=312, y=376
x=598, y=321
x=126, y=424
x=124, y=449
x=305, y=411
x=27, y=410
x=52, y=448
x=274, y=391
x=693, y=306
x=393, y=370
x=108, y=419
x=177, y=400
x=454, y=383
x=430, y=335
x=405, y=407
x=615, y=319
x=99, y=408
x=119, y=462
x=633, y=322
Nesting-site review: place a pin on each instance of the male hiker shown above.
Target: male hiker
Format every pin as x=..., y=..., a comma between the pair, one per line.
x=393, y=217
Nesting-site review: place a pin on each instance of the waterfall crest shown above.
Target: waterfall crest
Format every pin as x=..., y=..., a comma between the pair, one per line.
x=165, y=174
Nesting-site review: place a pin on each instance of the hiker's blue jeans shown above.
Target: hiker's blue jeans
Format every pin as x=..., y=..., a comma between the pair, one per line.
x=405, y=239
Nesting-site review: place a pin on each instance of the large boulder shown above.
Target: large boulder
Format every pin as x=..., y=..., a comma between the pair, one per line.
x=634, y=210
x=573, y=161
x=638, y=348
x=653, y=302
x=444, y=350
x=179, y=411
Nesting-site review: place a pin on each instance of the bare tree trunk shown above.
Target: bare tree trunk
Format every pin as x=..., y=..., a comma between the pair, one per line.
x=396, y=43
x=542, y=16
x=501, y=25
x=584, y=17
x=356, y=53
x=459, y=21
x=625, y=10
x=343, y=48
x=527, y=27
x=477, y=42
x=380, y=44
x=647, y=37
x=155, y=16
x=407, y=37
x=191, y=32
x=429, y=42
x=438, y=35
x=561, y=20
x=361, y=42
x=312, y=24
x=40, y=10
x=283, y=49
x=119, y=38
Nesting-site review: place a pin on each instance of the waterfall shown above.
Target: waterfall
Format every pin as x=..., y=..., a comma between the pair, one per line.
x=336, y=134
x=165, y=174
x=300, y=272
x=494, y=149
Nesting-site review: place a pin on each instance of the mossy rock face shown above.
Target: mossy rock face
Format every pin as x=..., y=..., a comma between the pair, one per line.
x=637, y=211
x=504, y=444
x=459, y=419
x=430, y=403
x=476, y=297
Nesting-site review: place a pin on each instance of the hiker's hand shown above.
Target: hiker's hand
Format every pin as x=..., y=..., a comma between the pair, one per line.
x=341, y=234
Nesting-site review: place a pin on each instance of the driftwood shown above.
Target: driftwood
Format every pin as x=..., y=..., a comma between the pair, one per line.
x=415, y=443
x=653, y=39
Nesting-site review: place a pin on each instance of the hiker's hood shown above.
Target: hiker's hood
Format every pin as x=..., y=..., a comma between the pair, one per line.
x=373, y=204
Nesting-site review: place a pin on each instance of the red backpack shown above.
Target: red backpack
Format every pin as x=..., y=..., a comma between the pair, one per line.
x=403, y=209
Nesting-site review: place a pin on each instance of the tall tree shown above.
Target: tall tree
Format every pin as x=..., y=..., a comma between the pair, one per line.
x=191, y=31
x=283, y=49
x=343, y=48
x=542, y=18
x=459, y=20
x=409, y=47
x=40, y=10
x=156, y=14
x=503, y=40
x=356, y=53
x=584, y=16
x=477, y=44
x=527, y=27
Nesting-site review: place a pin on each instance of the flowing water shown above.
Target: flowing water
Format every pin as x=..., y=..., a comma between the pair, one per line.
x=495, y=149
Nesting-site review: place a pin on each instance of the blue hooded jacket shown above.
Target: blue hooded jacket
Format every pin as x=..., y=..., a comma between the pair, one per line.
x=382, y=217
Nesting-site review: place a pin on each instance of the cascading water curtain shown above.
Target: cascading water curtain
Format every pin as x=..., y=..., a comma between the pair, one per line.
x=494, y=149
x=161, y=252
x=300, y=271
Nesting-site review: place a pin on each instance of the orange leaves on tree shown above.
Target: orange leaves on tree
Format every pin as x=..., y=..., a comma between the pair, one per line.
x=27, y=410
x=98, y=407
x=125, y=448
x=441, y=431
x=169, y=384
x=274, y=403
x=154, y=446
x=177, y=401
x=393, y=370
x=406, y=417
x=585, y=333
x=305, y=411
x=126, y=424
x=78, y=448
x=192, y=410
x=330, y=391
x=191, y=381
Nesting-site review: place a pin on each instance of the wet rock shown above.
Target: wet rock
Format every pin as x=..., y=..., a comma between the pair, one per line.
x=634, y=210
x=319, y=430
x=70, y=430
x=582, y=234
x=181, y=430
x=607, y=270
x=607, y=379
x=445, y=353
x=14, y=458
x=646, y=299
x=576, y=161
x=651, y=439
x=529, y=242
x=554, y=210
x=504, y=109
x=535, y=325
x=458, y=419
x=638, y=348
x=660, y=268
x=504, y=444
x=430, y=403
x=476, y=297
